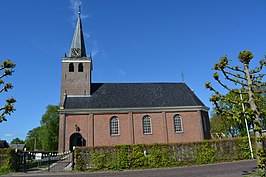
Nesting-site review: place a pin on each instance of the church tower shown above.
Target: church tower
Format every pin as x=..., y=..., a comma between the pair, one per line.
x=76, y=68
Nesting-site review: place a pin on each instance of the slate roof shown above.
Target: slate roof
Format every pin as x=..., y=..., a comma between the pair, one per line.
x=134, y=95
x=78, y=39
x=17, y=146
x=3, y=144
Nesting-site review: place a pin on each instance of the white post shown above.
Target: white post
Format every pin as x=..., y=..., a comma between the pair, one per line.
x=249, y=141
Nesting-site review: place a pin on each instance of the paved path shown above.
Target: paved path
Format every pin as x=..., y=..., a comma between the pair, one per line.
x=232, y=169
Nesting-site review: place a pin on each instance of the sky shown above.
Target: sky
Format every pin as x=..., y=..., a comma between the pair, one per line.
x=130, y=41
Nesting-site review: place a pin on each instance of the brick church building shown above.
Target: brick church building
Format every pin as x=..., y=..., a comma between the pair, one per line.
x=106, y=114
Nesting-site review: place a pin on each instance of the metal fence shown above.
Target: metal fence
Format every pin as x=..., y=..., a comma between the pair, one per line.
x=38, y=161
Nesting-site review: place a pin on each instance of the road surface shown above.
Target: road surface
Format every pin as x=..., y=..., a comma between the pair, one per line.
x=231, y=169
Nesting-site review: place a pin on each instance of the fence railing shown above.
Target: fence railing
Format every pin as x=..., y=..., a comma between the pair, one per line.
x=45, y=161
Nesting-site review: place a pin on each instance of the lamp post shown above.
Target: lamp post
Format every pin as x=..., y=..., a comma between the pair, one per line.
x=249, y=141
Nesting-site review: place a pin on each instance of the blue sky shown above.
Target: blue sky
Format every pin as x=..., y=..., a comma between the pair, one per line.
x=131, y=41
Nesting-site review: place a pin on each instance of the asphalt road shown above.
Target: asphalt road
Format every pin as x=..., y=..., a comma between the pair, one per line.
x=232, y=169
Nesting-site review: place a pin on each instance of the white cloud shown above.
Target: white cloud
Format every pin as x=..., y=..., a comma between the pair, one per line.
x=121, y=72
x=74, y=6
x=95, y=49
x=8, y=134
x=86, y=35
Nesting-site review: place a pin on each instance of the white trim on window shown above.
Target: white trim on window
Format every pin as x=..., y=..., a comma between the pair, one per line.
x=146, y=125
x=178, y=126
x=114, y=126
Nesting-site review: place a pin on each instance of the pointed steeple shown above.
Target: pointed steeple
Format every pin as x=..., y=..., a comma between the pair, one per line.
x=78, y=45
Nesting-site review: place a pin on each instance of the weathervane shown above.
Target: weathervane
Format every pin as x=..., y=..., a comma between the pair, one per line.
x=183, y=77
x=79, y=7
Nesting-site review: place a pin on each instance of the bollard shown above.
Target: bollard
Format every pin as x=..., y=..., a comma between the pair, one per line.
x=49, y=161
x=73, y=161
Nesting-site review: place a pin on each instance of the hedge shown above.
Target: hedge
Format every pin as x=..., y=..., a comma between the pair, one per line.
x=9, y=160
x=160, y=155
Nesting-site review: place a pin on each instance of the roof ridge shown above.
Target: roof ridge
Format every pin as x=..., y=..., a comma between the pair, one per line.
x=194, y=96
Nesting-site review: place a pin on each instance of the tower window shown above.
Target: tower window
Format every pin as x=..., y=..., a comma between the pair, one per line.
x=146, y=123
x=71, y=67
x=114, y=126
x=178, y=124
x=80, y=69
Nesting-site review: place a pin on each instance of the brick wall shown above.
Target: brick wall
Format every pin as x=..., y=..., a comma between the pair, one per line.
x=75, y=83
x=95, y=129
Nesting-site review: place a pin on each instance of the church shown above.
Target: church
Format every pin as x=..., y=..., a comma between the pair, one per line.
x=107, y=114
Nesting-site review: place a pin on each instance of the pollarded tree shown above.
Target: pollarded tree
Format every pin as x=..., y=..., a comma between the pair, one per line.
x=232, y=122
x=6, y=69
x=250, y=84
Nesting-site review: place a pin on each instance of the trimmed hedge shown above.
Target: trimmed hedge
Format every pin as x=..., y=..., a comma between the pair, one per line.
x=160, y=155
x=9, y=160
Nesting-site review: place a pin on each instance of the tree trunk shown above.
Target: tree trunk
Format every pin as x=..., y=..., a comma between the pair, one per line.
x=254, y=108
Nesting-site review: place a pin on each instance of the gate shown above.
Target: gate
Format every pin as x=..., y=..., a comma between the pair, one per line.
x=39, y=161
x=64, y=162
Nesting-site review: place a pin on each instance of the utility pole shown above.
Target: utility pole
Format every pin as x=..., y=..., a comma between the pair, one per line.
x=249, y=141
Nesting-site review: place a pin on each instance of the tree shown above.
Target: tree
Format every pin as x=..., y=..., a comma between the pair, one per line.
x=17, y=141
x=33, y=140
x=6, y=69
x=50, y=128
x=45, y=137
x=249, y=84
x=232, y=124
x=224, y=126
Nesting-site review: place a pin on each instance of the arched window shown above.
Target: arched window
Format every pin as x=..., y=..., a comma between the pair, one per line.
x=146, y=123
x=80, y=69
x=71, y=67
x=114, y=126
x=178, y=124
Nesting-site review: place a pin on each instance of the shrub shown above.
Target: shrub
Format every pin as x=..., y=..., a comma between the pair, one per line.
x=9, y=160
x=160, y=155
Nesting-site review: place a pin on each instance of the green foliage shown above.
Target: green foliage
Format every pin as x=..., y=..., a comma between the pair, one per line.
x=45, y=136
x=33, y=139
x=99, y=160
x=137, y=157
x=249, y=83
x=9, y=161
x=258, y=173
x=205, y=153
x=245, y=56
x=17, y=141
x=160, y=155
x=50, y=128
x=231, y=121
x=6, y=69
x=246, y=148
x=122, y=157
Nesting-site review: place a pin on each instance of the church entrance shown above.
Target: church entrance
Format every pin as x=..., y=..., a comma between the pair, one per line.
x=76, y=139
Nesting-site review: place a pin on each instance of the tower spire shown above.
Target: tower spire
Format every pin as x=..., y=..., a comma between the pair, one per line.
x=79, y=8
x=78, y=45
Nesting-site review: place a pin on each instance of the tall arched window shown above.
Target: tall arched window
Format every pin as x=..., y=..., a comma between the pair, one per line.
x=80, y=68
x=114, y=126
x=178, y=124
x=71, y=67
x=146, y=123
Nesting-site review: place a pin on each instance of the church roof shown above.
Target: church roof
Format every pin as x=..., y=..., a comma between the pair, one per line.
x=78, y=40
x=3, y=144
x=134, y=95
